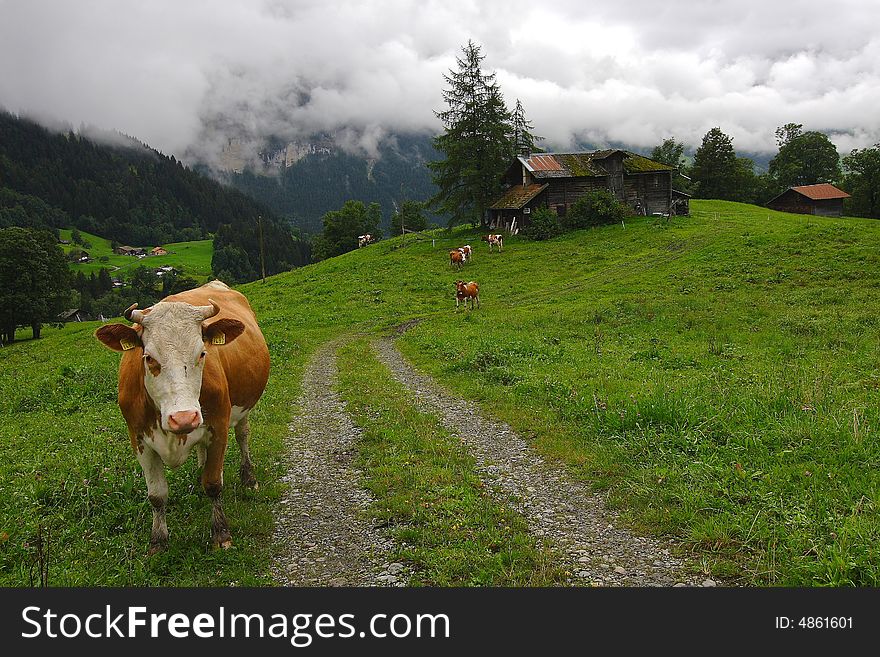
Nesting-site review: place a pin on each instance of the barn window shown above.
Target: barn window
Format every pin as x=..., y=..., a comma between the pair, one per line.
x=560, y=210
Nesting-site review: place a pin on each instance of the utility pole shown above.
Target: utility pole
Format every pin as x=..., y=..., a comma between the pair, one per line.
x=262, y=253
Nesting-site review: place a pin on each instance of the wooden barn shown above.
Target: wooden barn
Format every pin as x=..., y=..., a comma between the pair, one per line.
x=557, y=180
x=822, y=199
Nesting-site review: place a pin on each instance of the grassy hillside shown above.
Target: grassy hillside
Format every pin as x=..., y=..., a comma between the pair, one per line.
x=192, y=258
x=716, y=374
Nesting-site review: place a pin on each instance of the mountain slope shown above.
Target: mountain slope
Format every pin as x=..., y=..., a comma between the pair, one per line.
x=714, y=374
x=324, y=180
x=122, y=190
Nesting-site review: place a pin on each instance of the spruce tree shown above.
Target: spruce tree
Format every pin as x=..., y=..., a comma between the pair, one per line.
x=523, y=139
x=475, y=141
x=716, y=169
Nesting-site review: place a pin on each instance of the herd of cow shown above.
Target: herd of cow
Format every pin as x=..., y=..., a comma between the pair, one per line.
x=470, y=291
x=193, y=367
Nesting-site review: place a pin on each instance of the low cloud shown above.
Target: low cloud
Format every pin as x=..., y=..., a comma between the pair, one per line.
x=188, y=77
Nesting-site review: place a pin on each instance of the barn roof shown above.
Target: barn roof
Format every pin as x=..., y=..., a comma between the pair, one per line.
x=517, y=197
x=574, y=165
x=820, y=192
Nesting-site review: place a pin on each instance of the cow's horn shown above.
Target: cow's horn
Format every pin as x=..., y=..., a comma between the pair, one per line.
x=136, y=316
x=209, y=311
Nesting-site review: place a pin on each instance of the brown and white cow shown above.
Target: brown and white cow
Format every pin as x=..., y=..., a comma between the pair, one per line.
x=467, y=291
x=494, y=240
x=456, y=258
x=193, y=365
x=364, y=240
x=466, y=252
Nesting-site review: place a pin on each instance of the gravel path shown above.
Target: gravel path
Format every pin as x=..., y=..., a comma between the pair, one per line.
x=323, y=534
x=572, y=520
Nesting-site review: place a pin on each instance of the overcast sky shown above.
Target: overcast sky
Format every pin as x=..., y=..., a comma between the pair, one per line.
x=183, y=75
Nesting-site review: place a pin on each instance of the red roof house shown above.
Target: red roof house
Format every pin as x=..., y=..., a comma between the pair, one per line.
x=822, y=199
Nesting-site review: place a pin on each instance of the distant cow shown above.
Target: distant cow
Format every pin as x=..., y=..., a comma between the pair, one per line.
x=183, y=381
x=363, y=240
x=466, y=252
x=494, y=240
x=467, y=291
x=456, y=258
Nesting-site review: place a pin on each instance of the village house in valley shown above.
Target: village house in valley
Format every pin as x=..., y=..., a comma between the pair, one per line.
x=129, y=250
x=822, y=199
x=557, y=180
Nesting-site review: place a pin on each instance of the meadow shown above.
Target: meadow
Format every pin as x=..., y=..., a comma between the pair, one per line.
x=191, y=258
x=715, y=374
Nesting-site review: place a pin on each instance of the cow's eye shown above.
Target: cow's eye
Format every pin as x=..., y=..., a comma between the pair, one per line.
x=152, y=365
x=204, y=353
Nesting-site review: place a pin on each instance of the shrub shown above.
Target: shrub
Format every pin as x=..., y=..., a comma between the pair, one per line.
x=595, y=209
x=544, y=225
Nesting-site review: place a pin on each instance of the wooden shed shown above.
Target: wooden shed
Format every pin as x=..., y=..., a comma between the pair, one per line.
x=821, y=199
x=557, y=180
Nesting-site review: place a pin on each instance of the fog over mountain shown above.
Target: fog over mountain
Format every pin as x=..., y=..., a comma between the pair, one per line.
x=186, y=77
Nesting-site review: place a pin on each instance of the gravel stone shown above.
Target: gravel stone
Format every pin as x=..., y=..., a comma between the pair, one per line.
x=573, y=521
x=323, y=534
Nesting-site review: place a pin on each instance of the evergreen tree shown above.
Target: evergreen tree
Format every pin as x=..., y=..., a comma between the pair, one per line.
x=105, y=282
x=475, y=141
x=716, y=171
x=804, y=158
x=523, y=139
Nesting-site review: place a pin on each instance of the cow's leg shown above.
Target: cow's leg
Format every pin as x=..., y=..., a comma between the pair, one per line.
x=157, y=493
x=212, y=482
x=246, y=473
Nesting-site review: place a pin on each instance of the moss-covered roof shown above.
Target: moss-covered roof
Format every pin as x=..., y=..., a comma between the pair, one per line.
x=633, y=163
x=517, y=197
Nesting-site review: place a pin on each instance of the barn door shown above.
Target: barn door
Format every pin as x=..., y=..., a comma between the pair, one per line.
x=616, y=182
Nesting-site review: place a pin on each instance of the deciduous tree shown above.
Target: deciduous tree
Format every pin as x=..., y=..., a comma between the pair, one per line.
x=342, y=227
x=35, y=284
x=410, y=216
x=804, y=158
x=862, y=181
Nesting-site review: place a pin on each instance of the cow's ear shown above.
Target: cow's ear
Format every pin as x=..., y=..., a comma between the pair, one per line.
x=119, y=337
x=223, y=331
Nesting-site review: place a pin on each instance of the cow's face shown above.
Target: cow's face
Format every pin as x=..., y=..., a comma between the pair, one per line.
x=174, y=343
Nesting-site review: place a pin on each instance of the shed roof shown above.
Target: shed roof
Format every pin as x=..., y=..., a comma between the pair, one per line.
x=586, y=164
x=517, y=197
x=820, y=192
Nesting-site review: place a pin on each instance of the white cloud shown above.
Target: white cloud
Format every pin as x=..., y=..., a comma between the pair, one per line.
x=184, y=76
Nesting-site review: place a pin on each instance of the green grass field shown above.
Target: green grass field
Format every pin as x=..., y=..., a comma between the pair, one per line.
x=715, y=374
x=192, y=258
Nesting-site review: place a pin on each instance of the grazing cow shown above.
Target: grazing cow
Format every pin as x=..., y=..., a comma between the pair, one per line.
x=466, y=252
x=456, y=258
x=467, y=291
x=192, y=365
x=494, y=240
x=363, y=240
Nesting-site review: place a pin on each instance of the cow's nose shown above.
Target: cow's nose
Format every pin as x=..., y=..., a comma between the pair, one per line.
x=184, y=421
